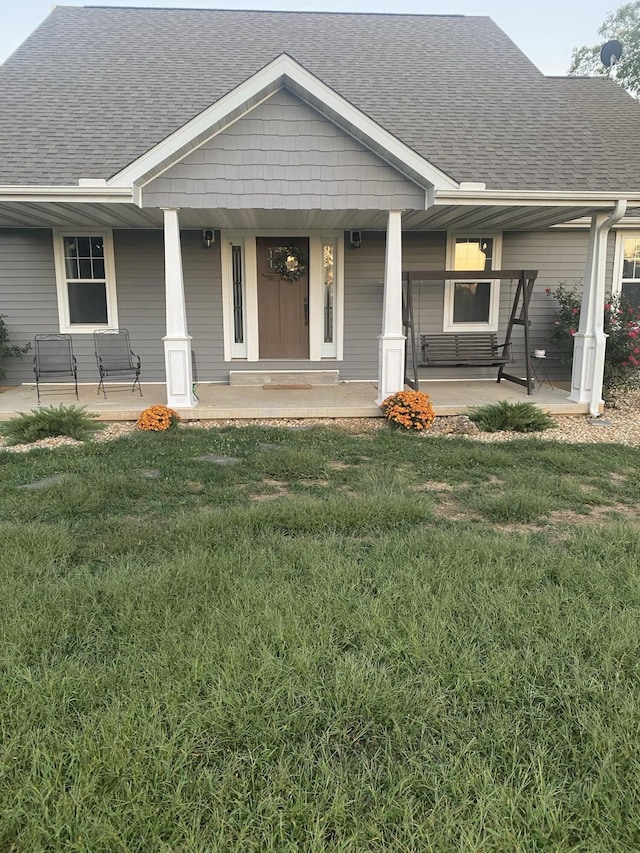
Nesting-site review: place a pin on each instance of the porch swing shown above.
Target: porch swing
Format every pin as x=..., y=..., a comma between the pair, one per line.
x=468, y=349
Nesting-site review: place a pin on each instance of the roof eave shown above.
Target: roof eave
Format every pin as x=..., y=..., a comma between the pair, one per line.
x=526, y=198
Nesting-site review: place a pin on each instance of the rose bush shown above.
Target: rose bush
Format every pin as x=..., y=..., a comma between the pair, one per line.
x=621, y=324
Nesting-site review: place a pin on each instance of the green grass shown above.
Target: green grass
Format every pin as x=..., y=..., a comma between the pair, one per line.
x=340, y=643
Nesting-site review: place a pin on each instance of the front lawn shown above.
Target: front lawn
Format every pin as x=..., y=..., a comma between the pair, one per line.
x=266, y=639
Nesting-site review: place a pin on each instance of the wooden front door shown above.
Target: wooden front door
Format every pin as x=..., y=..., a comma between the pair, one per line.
x=283, y=305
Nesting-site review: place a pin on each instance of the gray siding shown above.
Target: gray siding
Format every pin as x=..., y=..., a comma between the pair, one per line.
x=363, y=274
x=561, y=258
x=141, y=307
x=283, y=155
x=27, y=293
x=28, y=297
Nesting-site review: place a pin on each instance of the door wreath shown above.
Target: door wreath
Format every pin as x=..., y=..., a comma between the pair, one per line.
x=288, y=262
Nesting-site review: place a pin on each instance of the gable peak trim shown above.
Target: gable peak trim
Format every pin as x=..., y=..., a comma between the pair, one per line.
x=283, y=71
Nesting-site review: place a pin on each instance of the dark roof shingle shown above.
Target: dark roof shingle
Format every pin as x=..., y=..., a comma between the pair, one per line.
x=94, y=88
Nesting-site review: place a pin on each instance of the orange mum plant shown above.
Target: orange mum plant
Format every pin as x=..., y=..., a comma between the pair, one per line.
x=409, y=409
x=157, y=418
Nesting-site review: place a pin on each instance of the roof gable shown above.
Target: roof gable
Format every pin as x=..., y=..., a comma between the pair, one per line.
x=283, y=154
x=282, y=72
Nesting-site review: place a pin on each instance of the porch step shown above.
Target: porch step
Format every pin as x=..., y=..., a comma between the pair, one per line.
x=284, y=377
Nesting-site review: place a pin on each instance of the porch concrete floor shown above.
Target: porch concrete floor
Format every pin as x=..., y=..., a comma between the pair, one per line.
x=355, y=400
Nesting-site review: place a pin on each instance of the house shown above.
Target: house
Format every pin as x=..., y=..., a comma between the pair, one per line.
x=244, y=191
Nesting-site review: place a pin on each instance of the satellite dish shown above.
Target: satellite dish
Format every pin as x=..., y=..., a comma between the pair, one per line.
x=611, y=53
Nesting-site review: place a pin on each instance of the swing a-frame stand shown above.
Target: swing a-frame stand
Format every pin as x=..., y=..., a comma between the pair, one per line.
x=469, y=349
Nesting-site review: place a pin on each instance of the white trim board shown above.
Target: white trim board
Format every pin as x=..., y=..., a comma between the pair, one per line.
x=71, y=194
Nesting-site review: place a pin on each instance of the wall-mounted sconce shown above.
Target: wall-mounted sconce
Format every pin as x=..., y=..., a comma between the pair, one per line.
x=355, y=238
x=208, y=238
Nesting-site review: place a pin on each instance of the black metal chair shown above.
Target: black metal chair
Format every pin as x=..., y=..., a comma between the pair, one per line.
x=54, y=357
x=115, y=357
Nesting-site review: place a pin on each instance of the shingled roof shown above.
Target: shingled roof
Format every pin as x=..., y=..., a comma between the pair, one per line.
x=93, y=88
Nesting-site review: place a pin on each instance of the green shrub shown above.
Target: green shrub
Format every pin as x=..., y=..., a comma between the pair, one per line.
x=8, y=350
x=621, y=322
x=514, y=417
x=48, y=422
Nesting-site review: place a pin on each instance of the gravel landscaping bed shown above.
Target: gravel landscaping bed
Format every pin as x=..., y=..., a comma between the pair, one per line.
x=620, y=424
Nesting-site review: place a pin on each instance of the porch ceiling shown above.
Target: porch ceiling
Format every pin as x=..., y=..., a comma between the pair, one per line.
x=28, y=214
x=497, y=218
x=439, y=218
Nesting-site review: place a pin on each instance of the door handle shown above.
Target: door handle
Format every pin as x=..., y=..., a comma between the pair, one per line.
x=306, y=310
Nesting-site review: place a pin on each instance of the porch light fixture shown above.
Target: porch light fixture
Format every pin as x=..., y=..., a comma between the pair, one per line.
x=355, y=238
x=208, y=238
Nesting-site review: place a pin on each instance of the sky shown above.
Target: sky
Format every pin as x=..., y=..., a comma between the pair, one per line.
x=546, y=30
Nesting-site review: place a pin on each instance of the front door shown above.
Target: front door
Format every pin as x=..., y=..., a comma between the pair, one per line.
x=283, y=297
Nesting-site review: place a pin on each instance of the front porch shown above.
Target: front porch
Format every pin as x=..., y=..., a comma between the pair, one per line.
x=343, y=400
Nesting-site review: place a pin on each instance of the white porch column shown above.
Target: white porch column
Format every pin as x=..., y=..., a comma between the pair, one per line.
x=177, y=341
x=391, y=347
x=590, y=341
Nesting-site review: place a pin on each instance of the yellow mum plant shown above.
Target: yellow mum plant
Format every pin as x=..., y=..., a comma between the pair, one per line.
x=409, y=409
x=157, y=418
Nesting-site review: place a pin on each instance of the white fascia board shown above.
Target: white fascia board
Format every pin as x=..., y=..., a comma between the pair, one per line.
x=532, y=198
x=261, y=84
x=73, y=194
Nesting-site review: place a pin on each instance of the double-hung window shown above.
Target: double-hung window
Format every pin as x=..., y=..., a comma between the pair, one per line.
x=473, y=305
x=85, y=280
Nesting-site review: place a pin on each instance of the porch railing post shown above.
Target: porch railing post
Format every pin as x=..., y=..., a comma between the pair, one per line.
x=391, y=350
x=177, y=341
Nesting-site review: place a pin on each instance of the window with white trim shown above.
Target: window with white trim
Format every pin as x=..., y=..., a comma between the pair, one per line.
x=472, y=306
x=237, y=280
x=630, y=268
x=85, y=280
x=329, y=297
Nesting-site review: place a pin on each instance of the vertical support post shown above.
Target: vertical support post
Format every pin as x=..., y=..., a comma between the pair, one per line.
x=584, y=342
x=590, y=341
x=177, y=341
x=391, y=351
x=527, y=287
